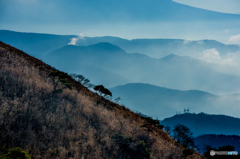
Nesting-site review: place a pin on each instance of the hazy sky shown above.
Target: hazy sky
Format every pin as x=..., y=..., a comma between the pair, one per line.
x=126, y=18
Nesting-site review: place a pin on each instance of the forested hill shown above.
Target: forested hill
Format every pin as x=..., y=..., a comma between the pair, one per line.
x=203, y=123
x=71, y=123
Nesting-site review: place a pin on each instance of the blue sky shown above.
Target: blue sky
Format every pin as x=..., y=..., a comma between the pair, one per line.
x=126, y=18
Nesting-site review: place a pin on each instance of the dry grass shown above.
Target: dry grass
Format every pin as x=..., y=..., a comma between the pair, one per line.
x=70, y=124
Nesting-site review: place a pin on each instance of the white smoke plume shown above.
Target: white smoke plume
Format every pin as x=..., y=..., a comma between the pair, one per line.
x=74, y=40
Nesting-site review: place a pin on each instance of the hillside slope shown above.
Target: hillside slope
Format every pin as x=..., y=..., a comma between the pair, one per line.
x=201, y=123
x=69, y=124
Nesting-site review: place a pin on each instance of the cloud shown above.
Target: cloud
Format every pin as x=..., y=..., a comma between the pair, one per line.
x=186, y=42
x=235, y=57
x=235, y=39
x=213, y=56
x=200, y=42
x=74, y=40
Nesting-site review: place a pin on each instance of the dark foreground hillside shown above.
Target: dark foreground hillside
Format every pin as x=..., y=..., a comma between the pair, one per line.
x=69, y=124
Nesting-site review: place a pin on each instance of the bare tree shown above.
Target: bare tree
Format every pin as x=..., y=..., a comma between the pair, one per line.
x=117, y=99
x=167, y=129
x=84, y=81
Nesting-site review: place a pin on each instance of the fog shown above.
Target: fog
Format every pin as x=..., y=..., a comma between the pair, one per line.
x=159, y=42
x=163, y=102
x=125, y=19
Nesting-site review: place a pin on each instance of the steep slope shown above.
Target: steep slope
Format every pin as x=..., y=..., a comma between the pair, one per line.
x=68, y=124
x=201, y=123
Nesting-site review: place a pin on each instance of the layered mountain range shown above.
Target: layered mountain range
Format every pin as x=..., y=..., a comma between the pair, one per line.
x=140, y=68
x=165, y=83
x=185, y=69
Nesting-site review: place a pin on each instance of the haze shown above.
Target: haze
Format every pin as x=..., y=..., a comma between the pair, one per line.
x=180, y=45
x=125, y=19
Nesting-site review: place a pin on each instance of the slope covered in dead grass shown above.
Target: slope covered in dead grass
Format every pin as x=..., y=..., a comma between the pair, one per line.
x=68, y=124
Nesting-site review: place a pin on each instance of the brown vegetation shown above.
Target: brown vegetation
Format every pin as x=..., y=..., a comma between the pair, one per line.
x=71, y=124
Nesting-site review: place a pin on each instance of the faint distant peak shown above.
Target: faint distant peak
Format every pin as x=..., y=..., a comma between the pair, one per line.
x=71, y=47
x=169, y=57
x=106, y=46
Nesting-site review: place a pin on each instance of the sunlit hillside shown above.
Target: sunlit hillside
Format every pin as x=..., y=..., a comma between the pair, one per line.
x=76, y=123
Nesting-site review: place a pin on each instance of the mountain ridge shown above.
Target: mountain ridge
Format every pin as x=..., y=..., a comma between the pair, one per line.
x=71, y=124
x=203, y=123
x=163, y=102
x=144, y=69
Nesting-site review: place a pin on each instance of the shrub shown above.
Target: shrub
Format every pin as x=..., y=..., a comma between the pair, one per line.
x=16, y=153
x=186, y=152
x=131, y=148
x=149, y=123
x=58, y=78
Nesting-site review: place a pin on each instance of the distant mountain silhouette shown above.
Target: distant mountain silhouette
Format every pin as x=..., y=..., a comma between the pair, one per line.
x=89, y=61
x=169, y=57
x=158, y=48
x=185, y=73
x=149, y=99
x=91, y=55
x=105, y=47
x=191, y=73
x=202, y=123
x=139, y=68
x=40, y=44
x=162, y=102
x=34, y=43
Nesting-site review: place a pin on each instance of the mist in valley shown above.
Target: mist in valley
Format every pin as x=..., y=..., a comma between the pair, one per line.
x=158, y=57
